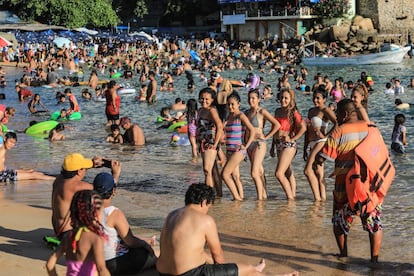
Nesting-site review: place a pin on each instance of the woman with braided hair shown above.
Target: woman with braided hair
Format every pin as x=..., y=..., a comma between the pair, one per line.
x=292, y=127
x=84, y=245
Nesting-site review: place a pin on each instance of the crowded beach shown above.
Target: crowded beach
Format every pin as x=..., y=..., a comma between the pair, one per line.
x=206, y=116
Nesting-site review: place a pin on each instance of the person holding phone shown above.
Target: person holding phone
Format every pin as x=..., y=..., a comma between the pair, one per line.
x=69, y=182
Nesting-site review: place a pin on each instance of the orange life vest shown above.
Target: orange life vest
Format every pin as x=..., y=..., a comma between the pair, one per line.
x=368, y=181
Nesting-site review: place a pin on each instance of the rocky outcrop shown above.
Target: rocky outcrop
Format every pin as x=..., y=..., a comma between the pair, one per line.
x=358, y=35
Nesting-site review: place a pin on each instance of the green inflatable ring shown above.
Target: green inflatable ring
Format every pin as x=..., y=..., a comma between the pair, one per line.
x=176, y=125
x=159, y=119
x=116, y=75
x=41, y=129
x=73, y=116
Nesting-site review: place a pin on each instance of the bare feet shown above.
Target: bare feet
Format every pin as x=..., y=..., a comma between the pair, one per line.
x=294, y=273
x=261, y=266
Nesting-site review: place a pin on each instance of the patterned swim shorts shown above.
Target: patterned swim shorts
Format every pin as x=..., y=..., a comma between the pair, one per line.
x=371, y=222
x=8, y=175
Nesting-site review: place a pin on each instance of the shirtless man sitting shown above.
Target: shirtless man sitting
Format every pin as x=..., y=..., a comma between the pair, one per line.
x=185, y=234
x=10, y=139
x=133, y=135
x=68, y=183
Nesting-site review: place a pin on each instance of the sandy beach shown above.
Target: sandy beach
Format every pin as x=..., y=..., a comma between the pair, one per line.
x=22, y=251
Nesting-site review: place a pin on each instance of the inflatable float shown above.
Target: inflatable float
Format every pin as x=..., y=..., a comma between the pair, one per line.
x=84, y=83
x=179, y=140
x=100, y=99
x=126, y=91
x=180, y=126
x=4, y=130
x=72, y=117
x=41, y=129
x=159, y=119
x=194, y=55
x=117, y=75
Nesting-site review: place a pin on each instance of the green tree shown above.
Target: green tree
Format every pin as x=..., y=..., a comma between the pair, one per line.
x=130, y=8
x=332, y=8
x=68, y=13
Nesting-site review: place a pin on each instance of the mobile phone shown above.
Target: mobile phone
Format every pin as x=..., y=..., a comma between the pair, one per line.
x=107, y=163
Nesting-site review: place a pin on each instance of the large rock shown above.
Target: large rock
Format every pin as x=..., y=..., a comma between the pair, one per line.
x=357, y=19
x=339, y=33
x=365, y=24
x=366, y=36
x=324, y=35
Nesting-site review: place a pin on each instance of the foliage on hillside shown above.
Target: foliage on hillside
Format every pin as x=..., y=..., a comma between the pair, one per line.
x=332, y=8
x=100, y=13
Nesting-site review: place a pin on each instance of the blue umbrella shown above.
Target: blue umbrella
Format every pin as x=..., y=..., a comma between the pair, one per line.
x=48, y=33
x=81, y=36
x=67, y=34
x=60, y=41
x=106, y=35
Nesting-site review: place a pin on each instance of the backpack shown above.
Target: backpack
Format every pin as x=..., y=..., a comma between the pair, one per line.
x=369, y=179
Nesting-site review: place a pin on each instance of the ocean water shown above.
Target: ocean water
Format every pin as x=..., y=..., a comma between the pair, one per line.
x=156, y=176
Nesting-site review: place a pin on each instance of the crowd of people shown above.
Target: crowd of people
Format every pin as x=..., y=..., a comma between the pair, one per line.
x=219, y=134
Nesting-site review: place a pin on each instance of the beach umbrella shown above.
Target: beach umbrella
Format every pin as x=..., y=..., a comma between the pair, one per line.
x=60, y=41
x=143, y=36
x=4, y=42
x=85, y=30
x=67, y=34
x=105, y=35
x=81, y=37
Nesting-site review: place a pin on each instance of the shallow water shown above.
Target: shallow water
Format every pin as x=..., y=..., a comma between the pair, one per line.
x=155, y=177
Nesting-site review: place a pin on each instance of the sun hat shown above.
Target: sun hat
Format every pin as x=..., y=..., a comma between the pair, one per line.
x=76, y=161
x=104, y=183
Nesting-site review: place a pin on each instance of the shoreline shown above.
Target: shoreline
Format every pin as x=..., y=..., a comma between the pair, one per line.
x=22, y=249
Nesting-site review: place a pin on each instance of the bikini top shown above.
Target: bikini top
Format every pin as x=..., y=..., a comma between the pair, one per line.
x=78, y=236
x=317, y=122
x=285, y=122
x=254, y=120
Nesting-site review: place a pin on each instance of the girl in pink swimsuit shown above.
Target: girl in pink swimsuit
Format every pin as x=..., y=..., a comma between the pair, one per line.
x=192, y=117
x=83, y=246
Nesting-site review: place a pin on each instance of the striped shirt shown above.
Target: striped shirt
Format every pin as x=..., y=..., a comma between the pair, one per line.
x=340, y=147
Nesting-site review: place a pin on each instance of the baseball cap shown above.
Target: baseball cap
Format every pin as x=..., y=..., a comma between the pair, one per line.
x=104, y=183
x=124, y=120
x=76, y=161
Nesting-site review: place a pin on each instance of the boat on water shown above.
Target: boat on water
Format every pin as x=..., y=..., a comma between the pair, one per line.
x=393, y=54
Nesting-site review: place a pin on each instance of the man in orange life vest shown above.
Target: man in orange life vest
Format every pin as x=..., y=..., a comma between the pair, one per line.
x=340, y=147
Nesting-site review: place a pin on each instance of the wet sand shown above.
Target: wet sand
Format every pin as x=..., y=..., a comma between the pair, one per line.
x=22, y=251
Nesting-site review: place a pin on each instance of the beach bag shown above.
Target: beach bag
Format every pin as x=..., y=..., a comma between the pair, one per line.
x=369, y=179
